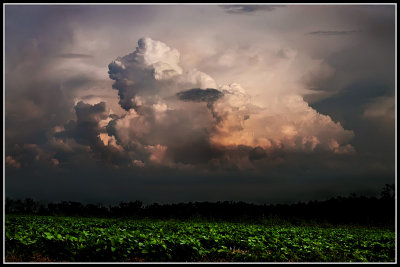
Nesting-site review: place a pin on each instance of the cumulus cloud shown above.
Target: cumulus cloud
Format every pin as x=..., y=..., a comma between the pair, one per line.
x=200, y=124
x=195, y=78
x=143, y=71
x=179, y=117
x=286, y=121
x=88, y=135
x=263, y=126
x=86, y=128
x=150, y=72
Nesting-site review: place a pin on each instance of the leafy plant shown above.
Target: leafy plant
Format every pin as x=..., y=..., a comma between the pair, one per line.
x=105, y=240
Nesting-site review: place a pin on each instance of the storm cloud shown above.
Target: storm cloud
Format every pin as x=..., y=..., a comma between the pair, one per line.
x=208, y=95
x=123, y=109
x=226, y=121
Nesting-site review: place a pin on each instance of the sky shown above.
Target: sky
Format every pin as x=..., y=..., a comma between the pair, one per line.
x=179, y=103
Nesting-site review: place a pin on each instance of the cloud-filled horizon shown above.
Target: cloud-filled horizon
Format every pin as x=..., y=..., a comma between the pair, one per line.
x=198, y=103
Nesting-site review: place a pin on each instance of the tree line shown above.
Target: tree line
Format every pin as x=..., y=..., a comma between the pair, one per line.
x=353, y=209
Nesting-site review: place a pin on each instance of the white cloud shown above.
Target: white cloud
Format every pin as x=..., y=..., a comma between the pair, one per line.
x=282, y=121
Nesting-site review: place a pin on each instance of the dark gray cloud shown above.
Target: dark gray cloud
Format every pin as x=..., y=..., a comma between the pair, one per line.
x=363, y=79
x=85, y=129
x=246, y=9
x=257, y=153
x=88, y=132
x=314, y=179
x=353, y=100
x=208, y=95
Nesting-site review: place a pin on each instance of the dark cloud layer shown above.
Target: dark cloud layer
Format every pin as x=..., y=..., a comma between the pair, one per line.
x=96, y=183
x=333, y=33
x=208, y=95
x=246, y=9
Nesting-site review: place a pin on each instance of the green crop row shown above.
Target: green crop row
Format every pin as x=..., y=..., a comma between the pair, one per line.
x=104, y=240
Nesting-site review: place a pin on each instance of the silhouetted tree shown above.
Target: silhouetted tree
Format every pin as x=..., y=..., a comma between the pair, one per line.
x=339, y=210
x=388, y=192
x=30, y=206
x=9, y=205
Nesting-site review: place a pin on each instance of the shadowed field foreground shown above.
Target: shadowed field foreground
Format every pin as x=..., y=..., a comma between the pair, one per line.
x=74, y=239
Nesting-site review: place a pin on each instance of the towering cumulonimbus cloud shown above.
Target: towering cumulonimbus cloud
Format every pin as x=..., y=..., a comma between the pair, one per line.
x=152, y=70
x=183, y=116
x=143, y=71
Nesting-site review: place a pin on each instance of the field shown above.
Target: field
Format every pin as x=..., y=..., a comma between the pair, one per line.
x=68, y=239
